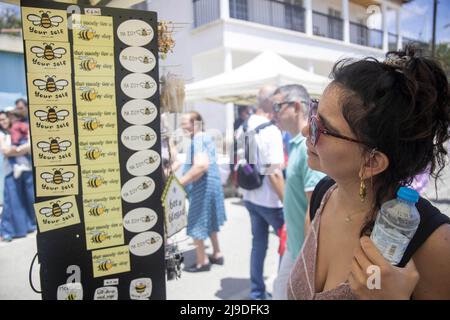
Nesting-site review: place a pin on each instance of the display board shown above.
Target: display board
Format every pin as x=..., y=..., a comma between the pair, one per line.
x=92, y=77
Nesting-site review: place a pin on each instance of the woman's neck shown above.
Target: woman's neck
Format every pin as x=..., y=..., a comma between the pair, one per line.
x=349, y=200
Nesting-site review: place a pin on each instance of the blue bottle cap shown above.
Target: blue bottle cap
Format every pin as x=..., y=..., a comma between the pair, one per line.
x=408, y=194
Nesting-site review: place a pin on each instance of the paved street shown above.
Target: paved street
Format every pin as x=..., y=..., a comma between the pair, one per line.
x=230, y=281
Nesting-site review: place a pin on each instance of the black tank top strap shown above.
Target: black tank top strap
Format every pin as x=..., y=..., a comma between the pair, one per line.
x=430, y=219
x=317, y=195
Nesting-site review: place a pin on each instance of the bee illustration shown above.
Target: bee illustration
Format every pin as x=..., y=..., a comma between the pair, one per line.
x=153, y=240
x=151, y=160
x=140, y=287
x=148, y=219
x=99, y=237
x=88, y=94
x=54, y=146
x=57, y=177
x=86, y=34
x=146, y=85
x=71, y=296
x=144, y=185
x=145, y=59
x=88, y=64
x=96, y=209
x=50, y=84
x=51, y=115
x=144, y=32
x=48, y=52
x=45, y=21
x=90, y=124
x=92, y=153
x=147, y=111
x=56, y=210
x=95, y=181
x=147, y=137
x=105, y=265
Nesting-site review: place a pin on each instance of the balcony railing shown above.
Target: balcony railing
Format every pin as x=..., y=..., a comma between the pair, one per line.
x=360, y=34
x=328, y=26
x=206, y=11
x=269, y=12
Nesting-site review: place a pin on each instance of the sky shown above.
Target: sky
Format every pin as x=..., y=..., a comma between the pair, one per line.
x=416, y=21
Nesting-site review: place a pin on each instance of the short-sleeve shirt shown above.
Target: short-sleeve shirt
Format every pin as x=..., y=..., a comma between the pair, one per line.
x=300, y=179
x=270, y=152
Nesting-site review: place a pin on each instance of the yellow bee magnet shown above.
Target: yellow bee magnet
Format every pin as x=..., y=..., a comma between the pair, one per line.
x=93, y=61
x=110, y=261
x=57, y=213
x=56, y=181
x=55, y=150
x=104, y=233
x=51, y=119
x=47, y=56
x=92, y=30
x=44, y=24
x=95, y=91
x=97, y=121
x=98, y=207
x=100, y=178
x=48, y=88
x=98, y=150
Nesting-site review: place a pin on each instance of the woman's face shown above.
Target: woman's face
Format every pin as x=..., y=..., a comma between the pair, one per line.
x=4, y=121
x=186, y=124
x=338, y=158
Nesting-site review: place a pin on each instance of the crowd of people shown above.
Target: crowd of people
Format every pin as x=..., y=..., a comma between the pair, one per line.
x=17, y=218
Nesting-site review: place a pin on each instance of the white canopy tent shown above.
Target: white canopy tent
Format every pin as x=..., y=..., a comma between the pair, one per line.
x=241, y=85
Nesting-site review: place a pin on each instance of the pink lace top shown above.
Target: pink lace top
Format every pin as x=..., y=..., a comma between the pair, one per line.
x=301, y=284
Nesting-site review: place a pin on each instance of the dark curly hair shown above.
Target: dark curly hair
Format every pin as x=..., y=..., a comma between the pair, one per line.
x=402, y=109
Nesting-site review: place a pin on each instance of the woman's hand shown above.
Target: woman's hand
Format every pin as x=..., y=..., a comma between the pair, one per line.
x=394, y=283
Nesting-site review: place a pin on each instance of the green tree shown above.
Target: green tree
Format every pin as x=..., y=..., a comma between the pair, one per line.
x=9, y=19
x=443, y=54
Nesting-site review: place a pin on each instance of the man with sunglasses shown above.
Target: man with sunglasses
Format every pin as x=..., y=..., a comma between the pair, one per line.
x=290, y=108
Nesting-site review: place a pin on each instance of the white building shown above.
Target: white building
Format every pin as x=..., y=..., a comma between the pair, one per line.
x=220, y=35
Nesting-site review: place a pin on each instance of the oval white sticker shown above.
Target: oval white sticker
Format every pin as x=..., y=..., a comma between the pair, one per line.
x=137, y=59
x=141, y=289
x=139, y=111
x=140, y=220
x=135, y=32
x=138, y=137
x=143, y=163
x=138, y=189
x=138, y=86
x=145, y=243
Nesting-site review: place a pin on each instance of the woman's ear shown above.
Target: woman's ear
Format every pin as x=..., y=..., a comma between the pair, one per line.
x=374, y=163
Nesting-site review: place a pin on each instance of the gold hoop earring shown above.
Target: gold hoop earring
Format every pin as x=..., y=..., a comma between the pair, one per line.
x=362, y=191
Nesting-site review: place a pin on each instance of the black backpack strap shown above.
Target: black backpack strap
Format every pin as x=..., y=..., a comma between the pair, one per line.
x=317, y=195
x=262, y=126
x=430, y=219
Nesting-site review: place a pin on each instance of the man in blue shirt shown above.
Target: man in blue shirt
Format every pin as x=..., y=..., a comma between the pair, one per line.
x=291, y=111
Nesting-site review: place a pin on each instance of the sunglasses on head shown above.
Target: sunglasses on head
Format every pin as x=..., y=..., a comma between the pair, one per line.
x=316, y=128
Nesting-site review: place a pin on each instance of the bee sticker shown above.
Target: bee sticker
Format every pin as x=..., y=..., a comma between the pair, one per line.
x=138, y=137
x=140, y=220
x=138, y=189
x=52, y=114
x=99, y=237
x=145, y=243
x=57, y=177
x=88, y=94
x=106, y=293
x=141, y=289
x=86, y=34
x=54, y=146
x=91, y=124
x=50, y=84
x=137, y=59
x=110, y=261
x=56, y=181
x=70, y=291
x=48, y=52
x=97, y=209
x=56, y=210
x=139, y=111
x=56, y=213
x=44, y=20
x=138, y=86
x=92, y=30
x=143, y=163
x=95, y=181
x=87, y=64
x=136, y=33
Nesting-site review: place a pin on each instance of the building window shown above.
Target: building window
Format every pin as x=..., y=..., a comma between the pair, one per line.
x=239, y=9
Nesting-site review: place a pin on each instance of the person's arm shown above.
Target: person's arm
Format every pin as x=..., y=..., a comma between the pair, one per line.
x=198, y=169
x=277, y=181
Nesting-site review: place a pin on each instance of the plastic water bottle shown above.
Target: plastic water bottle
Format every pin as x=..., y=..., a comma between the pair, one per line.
x=396, y=224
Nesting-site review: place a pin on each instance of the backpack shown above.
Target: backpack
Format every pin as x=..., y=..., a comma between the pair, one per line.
x=248, y=175
x=430, y=218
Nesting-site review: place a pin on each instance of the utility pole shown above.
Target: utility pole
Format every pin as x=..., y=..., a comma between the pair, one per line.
x=433, y=40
